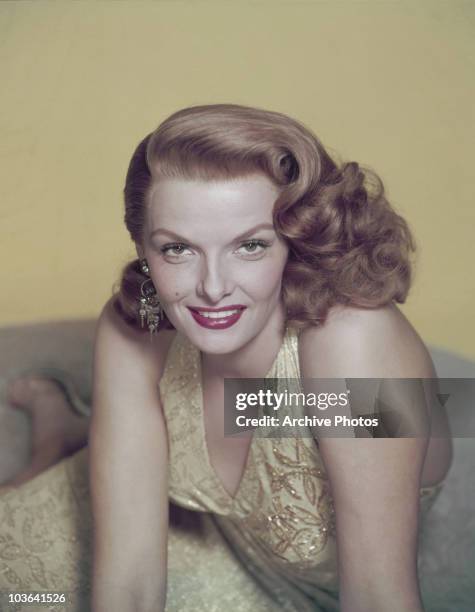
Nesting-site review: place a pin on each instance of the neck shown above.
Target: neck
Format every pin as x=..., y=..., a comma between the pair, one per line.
x=254, y=359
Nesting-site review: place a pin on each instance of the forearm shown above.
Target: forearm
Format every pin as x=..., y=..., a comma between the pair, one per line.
x=124, y=596
x=148, y=599
x=110, y=596
x=380, y=606
x=387, y=597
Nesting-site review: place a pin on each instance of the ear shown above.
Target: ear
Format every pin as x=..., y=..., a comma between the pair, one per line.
x=140, y=251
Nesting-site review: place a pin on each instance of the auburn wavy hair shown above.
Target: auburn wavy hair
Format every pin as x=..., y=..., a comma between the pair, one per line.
x=347, y=245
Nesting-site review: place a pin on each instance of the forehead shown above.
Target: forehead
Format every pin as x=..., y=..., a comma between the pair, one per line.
x=222, y=205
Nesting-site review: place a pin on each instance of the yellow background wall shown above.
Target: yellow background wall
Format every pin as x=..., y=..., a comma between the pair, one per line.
x=388, y=84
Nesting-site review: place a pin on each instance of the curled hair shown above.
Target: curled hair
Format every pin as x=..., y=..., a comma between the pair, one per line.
x=347, y=245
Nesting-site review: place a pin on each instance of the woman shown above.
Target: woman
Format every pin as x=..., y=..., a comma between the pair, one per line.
x=258, y=257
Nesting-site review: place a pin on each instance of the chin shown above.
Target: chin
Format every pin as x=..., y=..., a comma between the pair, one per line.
x=217, y=344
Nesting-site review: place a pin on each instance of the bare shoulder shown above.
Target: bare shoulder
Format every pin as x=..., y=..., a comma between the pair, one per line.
x=128, y=347
x=363, y=342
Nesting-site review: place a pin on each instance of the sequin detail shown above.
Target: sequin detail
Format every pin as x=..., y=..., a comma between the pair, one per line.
x=283, y=500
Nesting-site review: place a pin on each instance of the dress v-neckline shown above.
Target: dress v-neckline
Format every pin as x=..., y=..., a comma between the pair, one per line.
x=199, y=400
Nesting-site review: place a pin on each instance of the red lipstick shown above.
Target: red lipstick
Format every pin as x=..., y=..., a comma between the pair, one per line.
x=217, y=322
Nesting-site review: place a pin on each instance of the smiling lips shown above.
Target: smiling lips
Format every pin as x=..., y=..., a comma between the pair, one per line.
x=217, y=318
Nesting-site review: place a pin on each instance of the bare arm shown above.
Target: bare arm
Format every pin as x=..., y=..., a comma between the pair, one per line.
x=374, y=482
x=128, y=456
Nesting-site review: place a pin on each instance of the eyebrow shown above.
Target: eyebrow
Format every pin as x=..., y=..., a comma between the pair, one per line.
x=245, y=234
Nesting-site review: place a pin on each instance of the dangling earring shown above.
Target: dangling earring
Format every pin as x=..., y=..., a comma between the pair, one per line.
x=150, y=309
x=144, y=267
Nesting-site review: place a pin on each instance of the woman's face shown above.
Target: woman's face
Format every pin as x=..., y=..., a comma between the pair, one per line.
x=215, y=258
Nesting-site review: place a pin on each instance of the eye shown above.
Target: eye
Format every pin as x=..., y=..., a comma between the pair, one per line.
x=175, y=249
x=254, y=247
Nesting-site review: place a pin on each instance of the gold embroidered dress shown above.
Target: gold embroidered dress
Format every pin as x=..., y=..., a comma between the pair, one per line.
x=270, y=547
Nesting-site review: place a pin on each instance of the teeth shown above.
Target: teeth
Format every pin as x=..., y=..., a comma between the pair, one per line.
x=218, y=315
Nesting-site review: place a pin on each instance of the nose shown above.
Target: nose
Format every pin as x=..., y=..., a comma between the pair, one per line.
x=215, y=281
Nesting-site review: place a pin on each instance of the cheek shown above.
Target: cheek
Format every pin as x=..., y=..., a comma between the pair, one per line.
x=172, y=284
x=265, y=281
x=274, y=272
